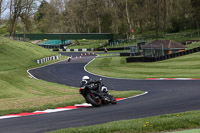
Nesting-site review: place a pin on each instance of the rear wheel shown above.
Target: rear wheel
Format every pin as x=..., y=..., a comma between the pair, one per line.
x=94, y=100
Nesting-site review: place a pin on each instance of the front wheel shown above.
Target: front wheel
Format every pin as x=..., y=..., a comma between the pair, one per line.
x=94, y=100
x=112, y=100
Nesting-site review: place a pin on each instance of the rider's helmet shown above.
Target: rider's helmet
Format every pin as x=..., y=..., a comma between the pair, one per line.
x=85, y=78
x=104, y=89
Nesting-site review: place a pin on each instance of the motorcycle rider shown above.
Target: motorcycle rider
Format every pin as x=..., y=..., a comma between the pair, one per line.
x=93, y=84
x=100, y=91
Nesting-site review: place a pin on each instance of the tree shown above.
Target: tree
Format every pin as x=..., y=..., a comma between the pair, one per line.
x=58, y=6
x=3, y=7
x=157, y=16
x=96, y=9
x=116, y=16
x=1, y=2
x=20, y=9
x=71, y=16
x=196, y=11
x=47, y=17
x=27, y=13
x=128, y=21
x=164, y=16
x=15, y=10
x=125, y=12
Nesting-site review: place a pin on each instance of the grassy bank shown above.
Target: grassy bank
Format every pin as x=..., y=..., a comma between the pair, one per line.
x=163, y=123
x=19, y=92
x=87, y=44
x=193, y=45
x=182, y=67
x=182, y=36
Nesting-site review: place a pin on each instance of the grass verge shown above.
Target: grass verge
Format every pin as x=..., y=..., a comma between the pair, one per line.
x=193, y=45
x=182, y=67
x=18, y=92
x=108, y=54
x=87, y=44
x=187, y=131
x=182, y=36
x=162, y=123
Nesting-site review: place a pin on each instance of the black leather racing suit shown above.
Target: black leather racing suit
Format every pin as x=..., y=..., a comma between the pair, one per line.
x=91, y=84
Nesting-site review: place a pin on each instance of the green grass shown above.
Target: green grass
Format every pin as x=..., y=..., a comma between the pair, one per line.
x=20, y=93
x=96, y=44
x=108, y=54
x=182, y=36
x=124, y=94
x=162, y=123
x=87, y=44
x=123, y=44
x=193, y=45
x=187, y=131
x=182, y=67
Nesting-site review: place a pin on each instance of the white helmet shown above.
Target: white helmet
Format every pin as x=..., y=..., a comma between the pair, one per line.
x=85, y=78
x=104, y=89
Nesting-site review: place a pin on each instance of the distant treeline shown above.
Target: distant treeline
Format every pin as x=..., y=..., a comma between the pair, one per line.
x=154, y=17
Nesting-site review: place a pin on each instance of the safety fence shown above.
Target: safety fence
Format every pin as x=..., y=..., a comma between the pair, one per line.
x=160, y=58
x=46, y=59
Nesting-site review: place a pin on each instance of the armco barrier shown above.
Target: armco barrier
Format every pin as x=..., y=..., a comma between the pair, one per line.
x=43, y=60
x=125, y=54
x=196, y=50
x=165, y=57
x=130, y=54
x=168, y=56
x=191, y=50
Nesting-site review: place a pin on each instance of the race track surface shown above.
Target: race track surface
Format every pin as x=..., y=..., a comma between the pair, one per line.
x=164, y=97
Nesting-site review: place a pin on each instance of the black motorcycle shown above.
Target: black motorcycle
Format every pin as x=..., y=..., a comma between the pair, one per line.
x=96, y=93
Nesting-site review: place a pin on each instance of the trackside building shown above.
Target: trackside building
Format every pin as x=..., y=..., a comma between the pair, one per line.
x=162, y=47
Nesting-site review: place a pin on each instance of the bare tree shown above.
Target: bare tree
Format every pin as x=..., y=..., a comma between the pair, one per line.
x=26, y=13
x=15, y=10
x=24, y=10
x=1, y=1
x=128, y=21
x=3, y=7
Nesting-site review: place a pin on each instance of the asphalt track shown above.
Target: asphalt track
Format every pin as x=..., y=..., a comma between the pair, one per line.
x=164, y=97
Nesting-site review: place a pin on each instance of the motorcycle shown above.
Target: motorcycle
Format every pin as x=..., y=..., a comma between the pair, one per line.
x=96, y=93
